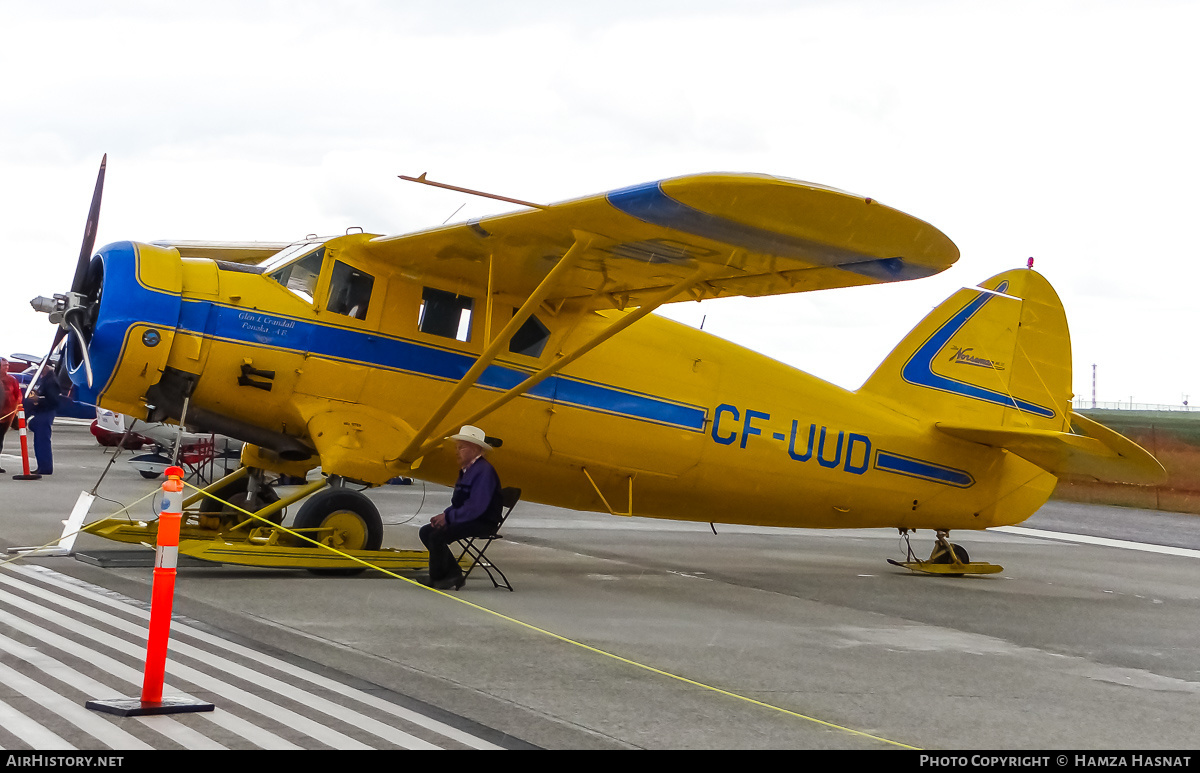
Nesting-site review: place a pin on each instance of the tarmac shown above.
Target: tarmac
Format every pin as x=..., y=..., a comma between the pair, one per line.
x=629, y=633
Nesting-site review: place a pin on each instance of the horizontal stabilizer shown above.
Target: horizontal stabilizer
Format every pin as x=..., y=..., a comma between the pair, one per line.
x=1092, y=449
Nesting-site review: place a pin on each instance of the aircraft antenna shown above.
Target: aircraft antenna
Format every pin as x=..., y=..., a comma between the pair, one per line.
x=422, y=180
x=455, y=212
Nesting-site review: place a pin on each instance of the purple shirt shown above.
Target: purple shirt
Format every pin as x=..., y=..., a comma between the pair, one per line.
x=476, y=495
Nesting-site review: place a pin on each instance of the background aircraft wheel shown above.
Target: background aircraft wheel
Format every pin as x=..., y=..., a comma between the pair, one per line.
x=352, y=516
x=235, y=494
x=149, y=475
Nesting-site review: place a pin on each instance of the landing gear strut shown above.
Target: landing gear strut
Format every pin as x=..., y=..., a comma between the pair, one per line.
x=250, y=492
x=946, y=559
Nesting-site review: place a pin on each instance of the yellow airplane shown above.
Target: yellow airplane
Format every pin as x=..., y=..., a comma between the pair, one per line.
x=360, y=353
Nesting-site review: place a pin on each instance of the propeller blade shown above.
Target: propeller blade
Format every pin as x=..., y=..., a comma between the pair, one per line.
x=60, y=335
x=89, y=232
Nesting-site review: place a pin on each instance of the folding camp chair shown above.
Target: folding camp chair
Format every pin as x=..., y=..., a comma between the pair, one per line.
x=475, y=547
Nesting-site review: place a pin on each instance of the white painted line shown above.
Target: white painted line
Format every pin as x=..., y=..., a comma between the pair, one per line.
x=188, y=738
x=181, y=734
x=85, y=719
x=31, y=732
x=284, y=667
x=1102, y=541
x=333, y=685
x=264, y=739
x=184, y=736
x=298, y=722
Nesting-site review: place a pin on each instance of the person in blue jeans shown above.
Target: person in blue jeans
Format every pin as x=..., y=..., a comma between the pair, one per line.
x=474, y=511
x=41, y=406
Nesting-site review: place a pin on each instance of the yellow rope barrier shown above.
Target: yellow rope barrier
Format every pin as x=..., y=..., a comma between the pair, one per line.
x=527, y=626
x=566, y=640
x=32, y=553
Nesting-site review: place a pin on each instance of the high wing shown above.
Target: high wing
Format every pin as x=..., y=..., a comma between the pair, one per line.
x=736, y=234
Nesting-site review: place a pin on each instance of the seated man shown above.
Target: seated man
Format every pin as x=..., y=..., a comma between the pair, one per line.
x=474, y=511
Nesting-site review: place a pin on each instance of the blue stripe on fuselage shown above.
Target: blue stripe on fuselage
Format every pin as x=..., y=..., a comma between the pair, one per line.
x=917, y=468
x=297, y=335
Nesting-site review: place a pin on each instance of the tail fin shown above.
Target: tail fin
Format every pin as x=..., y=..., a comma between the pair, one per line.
x=992, y=365
x=996, y=355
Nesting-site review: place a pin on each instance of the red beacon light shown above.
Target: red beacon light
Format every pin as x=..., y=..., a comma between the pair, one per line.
x=1029, y=263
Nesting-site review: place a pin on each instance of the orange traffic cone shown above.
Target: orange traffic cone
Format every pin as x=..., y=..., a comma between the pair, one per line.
x=24, y=447
x=161, y=602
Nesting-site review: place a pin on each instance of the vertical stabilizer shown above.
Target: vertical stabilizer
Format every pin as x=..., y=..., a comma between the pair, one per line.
x=995, y=355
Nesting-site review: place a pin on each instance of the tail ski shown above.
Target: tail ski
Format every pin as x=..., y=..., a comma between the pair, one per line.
x=992, y=365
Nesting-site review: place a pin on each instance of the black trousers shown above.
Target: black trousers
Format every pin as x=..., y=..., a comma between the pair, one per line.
x=442, y=565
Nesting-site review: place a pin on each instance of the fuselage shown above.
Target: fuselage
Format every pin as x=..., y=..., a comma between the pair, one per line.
x=662, y=420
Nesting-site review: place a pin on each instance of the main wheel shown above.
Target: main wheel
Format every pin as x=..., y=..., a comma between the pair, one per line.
x=353, y=518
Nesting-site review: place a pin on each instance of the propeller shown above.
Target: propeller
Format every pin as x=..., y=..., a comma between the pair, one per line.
x=37, y=374
x=89, y=232
x=69, y=311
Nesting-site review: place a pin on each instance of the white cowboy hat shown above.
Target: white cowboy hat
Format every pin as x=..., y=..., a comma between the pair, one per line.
x=474, y=435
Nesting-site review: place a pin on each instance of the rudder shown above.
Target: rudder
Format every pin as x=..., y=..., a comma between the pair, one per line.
x=996, y=355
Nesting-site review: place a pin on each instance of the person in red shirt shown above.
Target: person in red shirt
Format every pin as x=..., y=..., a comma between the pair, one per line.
x=10, y=398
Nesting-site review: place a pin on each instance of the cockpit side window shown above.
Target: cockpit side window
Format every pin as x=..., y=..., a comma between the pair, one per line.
x=531, y=339
x=446, y=314
x=301, y=276
x=349, y=290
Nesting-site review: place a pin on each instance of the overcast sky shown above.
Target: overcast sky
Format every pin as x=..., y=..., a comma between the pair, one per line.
x=1066, y=131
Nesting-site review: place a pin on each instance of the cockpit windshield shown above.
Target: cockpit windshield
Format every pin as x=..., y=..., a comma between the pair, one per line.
x=290, y=252
x=301, y=276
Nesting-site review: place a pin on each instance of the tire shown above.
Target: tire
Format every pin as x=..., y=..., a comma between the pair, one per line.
x=355, y=517
x=149, y=475
x=235, y=493
x=943, y=557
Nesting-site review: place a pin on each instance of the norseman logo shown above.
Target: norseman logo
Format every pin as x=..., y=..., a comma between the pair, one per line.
x=965, y=357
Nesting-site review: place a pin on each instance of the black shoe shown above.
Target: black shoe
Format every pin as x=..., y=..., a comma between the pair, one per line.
x=450, y=583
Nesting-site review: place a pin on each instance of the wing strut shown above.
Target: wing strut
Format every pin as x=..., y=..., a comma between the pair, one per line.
x=582, y=242
x=566, y=360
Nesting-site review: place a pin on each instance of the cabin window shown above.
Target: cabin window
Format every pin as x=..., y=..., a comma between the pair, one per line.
x=446, y=314
x=301, y=276
x=349, y=290
x=531, y=339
